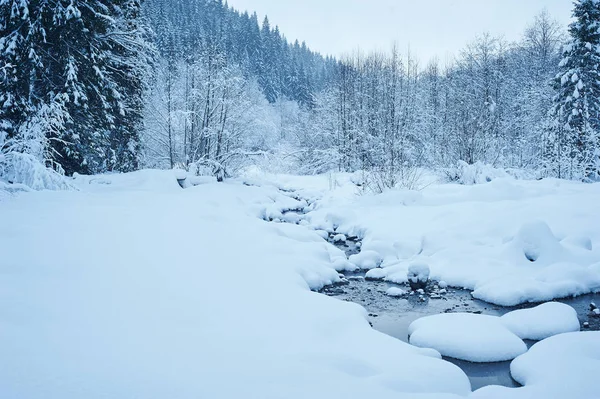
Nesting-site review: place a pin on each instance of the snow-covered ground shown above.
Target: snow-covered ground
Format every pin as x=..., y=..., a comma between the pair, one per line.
x=510, y=241
x=133, y=287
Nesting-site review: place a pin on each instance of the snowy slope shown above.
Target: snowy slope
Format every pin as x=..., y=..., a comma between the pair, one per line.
x=132, y=287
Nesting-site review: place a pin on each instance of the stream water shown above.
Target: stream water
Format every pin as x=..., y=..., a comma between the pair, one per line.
x=393, y=315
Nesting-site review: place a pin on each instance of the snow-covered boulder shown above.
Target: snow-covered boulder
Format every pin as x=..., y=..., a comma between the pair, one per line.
x=366, y=260
x=466, y=336
x=395, y=292
x=563, y=366
x=418, y=275
x=542, y=321
x=575, y=356
x=537, y=242
x=339, y=238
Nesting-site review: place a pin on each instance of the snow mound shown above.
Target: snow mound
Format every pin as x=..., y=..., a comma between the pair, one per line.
x=25, y=169
x=366, y=260
x=466, y=336
x=537, y=242
x=559, y=280
x=376, y=274
x=395, y=292
x=340, y=238
x=578, y=242
x=477, y=173
x=573, y=356
x=418, y=274
x=543, y=321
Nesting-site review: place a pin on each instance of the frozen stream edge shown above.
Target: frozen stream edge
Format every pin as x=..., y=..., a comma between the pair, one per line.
x=393, y=315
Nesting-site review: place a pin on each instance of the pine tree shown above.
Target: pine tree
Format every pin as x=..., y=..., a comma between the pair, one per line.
x=78, y=63
x=576, y=110
x=15, y=106
x=132, y=73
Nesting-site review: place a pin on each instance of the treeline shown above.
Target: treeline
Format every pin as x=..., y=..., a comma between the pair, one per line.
x=218, y=72
x=195, y=31
x=97, y=86
x=72, y=77
x=489, y=105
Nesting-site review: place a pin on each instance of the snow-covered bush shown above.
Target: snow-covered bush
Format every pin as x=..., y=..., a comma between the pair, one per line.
x=23, y=157
x=477, y=173
x=405, y=176
x=16, y=167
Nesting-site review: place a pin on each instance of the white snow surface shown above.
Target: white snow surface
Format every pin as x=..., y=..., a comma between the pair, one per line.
x=134, y=287
x=395, y=291
x=511, y=241
x=542, y=321
x=418, y=272
x=483, y=338
x=472, y=337
x=563, y=366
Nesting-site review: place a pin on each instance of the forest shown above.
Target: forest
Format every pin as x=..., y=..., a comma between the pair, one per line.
x=100, y=86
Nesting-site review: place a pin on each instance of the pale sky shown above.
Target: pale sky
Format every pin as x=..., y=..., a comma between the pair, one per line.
x=430, y=27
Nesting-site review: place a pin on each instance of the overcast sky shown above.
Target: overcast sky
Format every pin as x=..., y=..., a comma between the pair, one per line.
x=430, y=27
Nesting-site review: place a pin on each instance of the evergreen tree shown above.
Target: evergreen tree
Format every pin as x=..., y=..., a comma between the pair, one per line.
x=78, y=63
x=576, y=143
x=15, y=47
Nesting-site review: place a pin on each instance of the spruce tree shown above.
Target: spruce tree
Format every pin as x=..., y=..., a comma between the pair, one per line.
x=78, y=63
x=15, y=26
x=575, y=142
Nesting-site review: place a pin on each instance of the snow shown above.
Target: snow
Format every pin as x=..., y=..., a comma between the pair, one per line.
x=130, y=286
x=339, y=238
x=26, y=170
x=466, y=336
x=395, y=291
x=542, y=321
x=563, y=366
x=138, y=288
x=510, y=241
x=418, y=273
x=366, y=259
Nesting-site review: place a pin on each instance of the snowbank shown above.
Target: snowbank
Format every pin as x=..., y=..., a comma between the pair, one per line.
x=134, y=287
x=511, y=241
x=563, y=366
x=25, y=169
x=471, y=337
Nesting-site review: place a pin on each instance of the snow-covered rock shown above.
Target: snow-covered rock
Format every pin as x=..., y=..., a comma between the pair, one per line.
x=418, y=275
x=566, y=362
x=542, y=321
x=339, y=238
x=366, y=260
x=563, y=366
x=395, y=292
x=466, y=336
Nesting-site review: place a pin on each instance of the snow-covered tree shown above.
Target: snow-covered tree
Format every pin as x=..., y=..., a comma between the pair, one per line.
x=575, y=138
x=84, y=60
